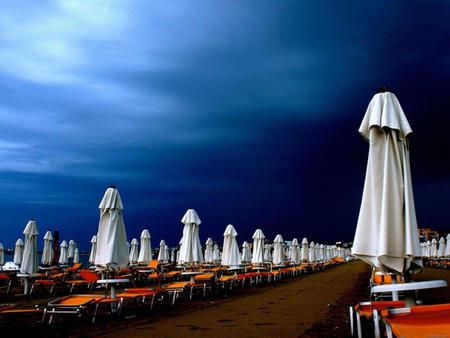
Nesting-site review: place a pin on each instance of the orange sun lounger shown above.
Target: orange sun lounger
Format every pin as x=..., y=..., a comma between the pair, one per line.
x=418, y=321
x=177, y=288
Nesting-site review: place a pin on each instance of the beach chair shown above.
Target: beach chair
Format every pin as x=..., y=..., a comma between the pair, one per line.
x=418, y=321
x=6, y=281
x=74, y=268
x=49, y=282
x=179, y=288
x=171, y=276
x=87, y=278
x=205, y=281
x=366, y=310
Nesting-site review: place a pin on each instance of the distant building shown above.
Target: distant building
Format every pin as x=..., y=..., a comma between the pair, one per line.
x=426, y=234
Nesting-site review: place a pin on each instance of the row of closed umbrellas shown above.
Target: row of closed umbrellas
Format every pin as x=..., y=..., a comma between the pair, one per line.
x=433, y=249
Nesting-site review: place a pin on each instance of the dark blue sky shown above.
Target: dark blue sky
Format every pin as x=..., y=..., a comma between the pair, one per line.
x=246, y=111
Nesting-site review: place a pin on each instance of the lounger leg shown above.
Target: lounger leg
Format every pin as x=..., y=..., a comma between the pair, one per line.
x=350, y=310
x=51, y=317
x=204, y=290
x=389, y=331
x=358, y=323
x=9, y=287
x=32, y=288
x=51, y=289
x=43, y=316
x=174, y=297
x=191, y=293
x=71, y=288
x=376, y=323
x=152, y=302
x=95, y=313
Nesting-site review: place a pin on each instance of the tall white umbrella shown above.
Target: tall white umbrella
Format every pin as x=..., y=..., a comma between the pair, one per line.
x=173, y=255
x=434, y=250
x=447, y=247
x=216, y=253
x=268, y=253
x=163, y=255
x=209, y=250
x=2, y=255
x=18, y=252
x=321, y=252
x=230, y=252
x=258, y=247
x=134, y=251
x=278, y=250
x=145, y=252
x=423, y=249
x=76, y=256
x=71, y=249
x=112, y=250
x=246, y=255
x=191, y=248
x=47, y=253
x=294, y=256
x=30, y=263
x=312, y=252
x=63, y=259
x=441, y=251
x=93, y=249
x=428, y=249
x=305, y=251
x=386, y=234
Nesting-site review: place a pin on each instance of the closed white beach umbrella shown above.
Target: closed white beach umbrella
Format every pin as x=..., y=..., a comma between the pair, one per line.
x=268, y=253
x=386, y=234
x=278, y=250
x=434, y=249
x=30, y=252
x=163, y=255
x=145, y=252
x=322, y=252
x=447, y=247
x=173, y=255
x=230, y=251
x=304, y=250
x=191, y=248
x=134, y=251
x=18, y=252
x=423, y=249
x=258, y=247
x=93, y=249
x=317, y=251
x=216, y=253
x=112, y=250
x=246, y=255
x=71, y=249
x=63, y=259
x=312, y=252
x=441, y=251
x=76, y=256
x=294, y=256
x=2, y=255
x=428, y=249
x=209, y=250
x=47, y=253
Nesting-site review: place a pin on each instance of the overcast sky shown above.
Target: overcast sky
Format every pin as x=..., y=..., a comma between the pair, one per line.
x=246, y=111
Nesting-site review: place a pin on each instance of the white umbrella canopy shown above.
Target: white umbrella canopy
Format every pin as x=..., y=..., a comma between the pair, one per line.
x=230, y=251
x=76, y=256
x=304, y=250
x=312, y=252
x=2, y=255
x=278, y=250
x=71, y=249
x=191, y=248
x=209, y=250
x=112, y=250
x=294, y=256
x=447, y=247
x=428, y=249
x=30, y=263
x=134, y=251
x=386, y=234
x=47, y=253
x=93, y=249
x=258, y=247
x=173, y=255
x=423, y=249
x=163, y=255
x=63, y=259
x=246, y=255
x=267, y=253
x=216, y=253
x=18, y=252
x=434, y=250
x=441, y=250
x=145, y=253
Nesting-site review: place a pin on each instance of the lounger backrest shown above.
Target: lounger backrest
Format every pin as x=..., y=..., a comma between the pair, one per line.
x=153, y=264
x=88, y=275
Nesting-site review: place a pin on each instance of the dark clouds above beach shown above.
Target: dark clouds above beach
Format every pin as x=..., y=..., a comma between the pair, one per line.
x=246, y=111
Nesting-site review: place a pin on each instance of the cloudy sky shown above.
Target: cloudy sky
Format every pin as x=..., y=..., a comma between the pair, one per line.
x=246, y=111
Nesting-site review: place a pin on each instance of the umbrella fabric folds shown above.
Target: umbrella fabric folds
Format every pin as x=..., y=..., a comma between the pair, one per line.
x=447, y=247
x=304, y=250
x=18, y=252
x=63, y=259
x=386, y=234
x=258, y=247
x=209, y=250
x=428, y=249
x=76, y=256
x=267, y=253
x=312, y=252
x=71, y=249
x=134, y=251
x=441, y=250
x=278, y=250
x=30, y=252
x=163, y=255
x=230, y=252
x=93, y=249
x=112, y=250
x=294, y=256
x=2, y=255
x=246, y=255
x=434, y=249
x=47, y=253
x=216, y=253
x=191, y=248
x=145, y=253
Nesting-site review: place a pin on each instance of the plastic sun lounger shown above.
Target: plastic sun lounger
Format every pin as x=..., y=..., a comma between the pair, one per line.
x=140, y=295
x=204, y=281
x=177, y=288
x=7, y=280
x=87, y=278
x=366, y=310
x=418, y=321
